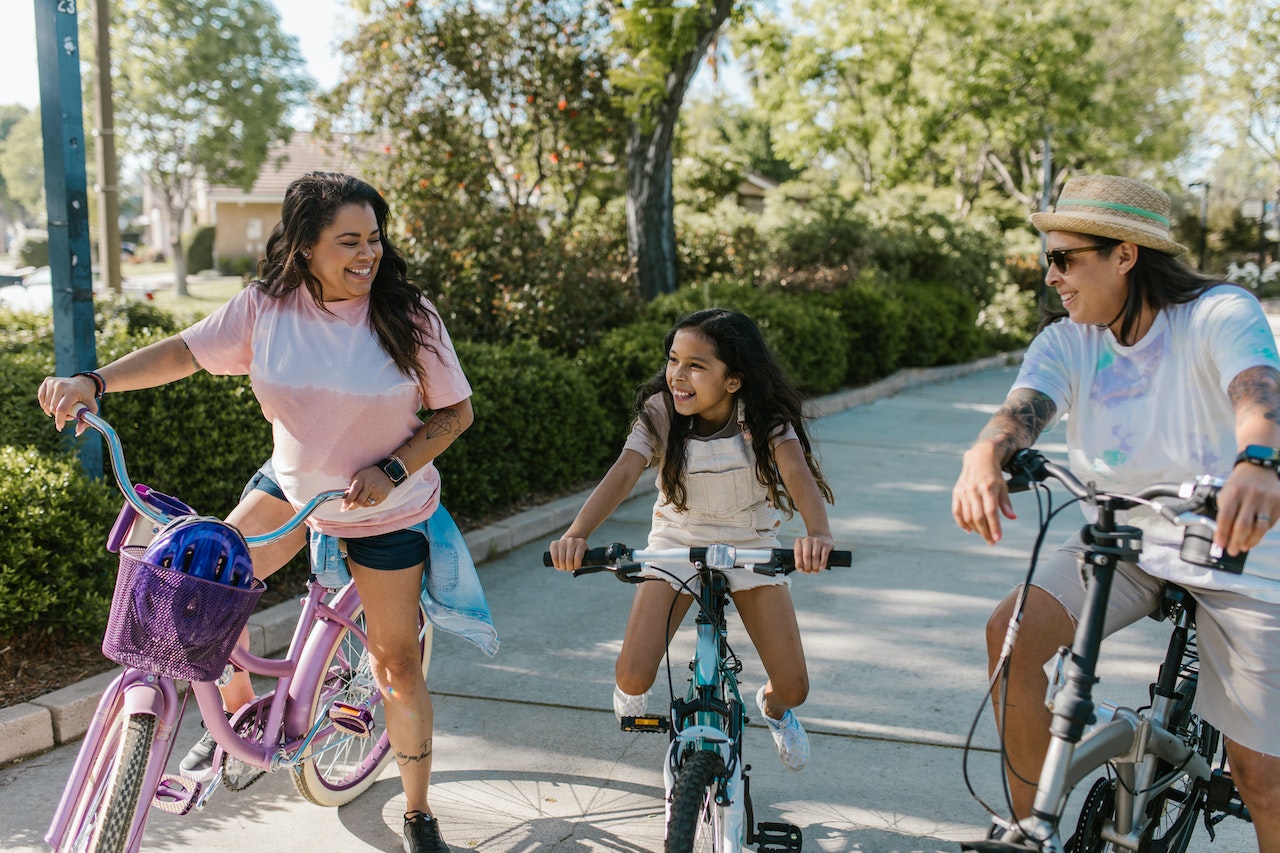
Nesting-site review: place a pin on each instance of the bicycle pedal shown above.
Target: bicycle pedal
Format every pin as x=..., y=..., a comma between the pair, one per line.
x=175, y=795
x=351, y=718
x=778, y=837
x=646, y=723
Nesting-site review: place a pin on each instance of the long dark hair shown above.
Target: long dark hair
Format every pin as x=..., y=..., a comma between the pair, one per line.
x=397, y=314
x=1156, y=279
x=769, y=400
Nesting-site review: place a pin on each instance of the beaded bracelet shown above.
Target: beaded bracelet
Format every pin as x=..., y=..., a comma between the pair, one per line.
x=99, y=384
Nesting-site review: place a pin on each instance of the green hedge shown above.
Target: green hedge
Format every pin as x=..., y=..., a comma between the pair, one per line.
x=545, y=422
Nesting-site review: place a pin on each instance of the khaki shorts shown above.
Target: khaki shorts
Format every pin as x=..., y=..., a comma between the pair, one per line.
x=1238, y=639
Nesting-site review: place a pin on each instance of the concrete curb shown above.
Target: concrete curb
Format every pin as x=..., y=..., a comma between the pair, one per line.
x=62, y=716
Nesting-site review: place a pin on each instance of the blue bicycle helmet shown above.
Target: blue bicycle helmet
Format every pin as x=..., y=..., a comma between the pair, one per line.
x=204, y=547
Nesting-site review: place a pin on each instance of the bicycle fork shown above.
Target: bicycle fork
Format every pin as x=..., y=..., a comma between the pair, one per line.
x=131, y=693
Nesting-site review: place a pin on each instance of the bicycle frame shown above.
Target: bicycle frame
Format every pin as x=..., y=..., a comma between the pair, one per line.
x=699, y=722
x=1136, y=743
x=288, y=732
x=281, y=727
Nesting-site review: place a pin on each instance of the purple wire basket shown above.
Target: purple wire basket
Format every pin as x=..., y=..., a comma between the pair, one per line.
x=174, y=624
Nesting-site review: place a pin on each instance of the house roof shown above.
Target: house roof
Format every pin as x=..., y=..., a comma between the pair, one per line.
x=286, y=162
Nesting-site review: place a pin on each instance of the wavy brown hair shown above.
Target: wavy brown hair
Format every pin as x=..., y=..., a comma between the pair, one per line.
x=769, y=399
x=398, y=315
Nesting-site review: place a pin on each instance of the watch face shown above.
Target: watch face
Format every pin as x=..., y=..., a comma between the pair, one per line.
x=393, y=469
x=1262, y=453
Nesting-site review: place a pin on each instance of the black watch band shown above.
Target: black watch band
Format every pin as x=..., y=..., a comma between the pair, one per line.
x=1261, y=455
x=395, y=470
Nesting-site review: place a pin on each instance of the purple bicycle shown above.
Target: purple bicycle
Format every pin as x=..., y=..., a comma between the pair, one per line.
x=321, y=719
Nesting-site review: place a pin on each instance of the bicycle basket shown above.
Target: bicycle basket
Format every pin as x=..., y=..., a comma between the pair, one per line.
x=174, y=624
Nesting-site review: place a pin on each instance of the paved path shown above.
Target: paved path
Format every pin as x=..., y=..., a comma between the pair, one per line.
x=528, y=756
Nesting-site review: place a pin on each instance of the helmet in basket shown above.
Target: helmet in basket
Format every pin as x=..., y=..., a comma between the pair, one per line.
x=204, y=547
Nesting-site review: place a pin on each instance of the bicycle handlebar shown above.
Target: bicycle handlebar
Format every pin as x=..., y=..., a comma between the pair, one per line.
x=1195, y=510
x=131, y=494
x=625, y=561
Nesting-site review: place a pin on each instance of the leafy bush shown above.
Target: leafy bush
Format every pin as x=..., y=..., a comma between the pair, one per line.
x=1009, y=320
x=617, y=365
x=32, y=250
x=199, y=248
x=790, y=323
x=941, y=325
x=245, y=266
x=874, y=321
x=537, y=429
x=54, y=568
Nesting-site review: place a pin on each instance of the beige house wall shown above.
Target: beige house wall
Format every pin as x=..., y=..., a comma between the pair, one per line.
x=242, y=228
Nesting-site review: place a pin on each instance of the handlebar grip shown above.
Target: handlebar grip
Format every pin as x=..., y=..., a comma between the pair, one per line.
x=840, y=558
x=546, y=559
x=605, y=555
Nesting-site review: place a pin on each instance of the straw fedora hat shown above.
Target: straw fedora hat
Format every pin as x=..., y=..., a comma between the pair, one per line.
x=1109, y=206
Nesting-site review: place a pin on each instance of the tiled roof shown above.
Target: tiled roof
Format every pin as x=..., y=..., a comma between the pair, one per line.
x=291, y=160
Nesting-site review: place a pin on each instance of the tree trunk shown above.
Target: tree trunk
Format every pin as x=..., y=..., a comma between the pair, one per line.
x=651, y=228
x=175, y=250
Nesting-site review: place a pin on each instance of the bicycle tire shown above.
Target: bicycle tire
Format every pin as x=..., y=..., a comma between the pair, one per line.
x=1172, y=813
x=696, y=822
x=104, y=813
x=343, y=766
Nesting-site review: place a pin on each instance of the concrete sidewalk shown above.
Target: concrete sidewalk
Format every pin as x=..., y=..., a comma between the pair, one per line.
x=528, y=755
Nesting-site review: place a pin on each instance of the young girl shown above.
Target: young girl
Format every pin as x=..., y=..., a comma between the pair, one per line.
x=724, y=425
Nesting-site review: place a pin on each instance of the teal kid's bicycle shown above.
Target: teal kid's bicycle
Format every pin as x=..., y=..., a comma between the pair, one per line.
x=705, y=776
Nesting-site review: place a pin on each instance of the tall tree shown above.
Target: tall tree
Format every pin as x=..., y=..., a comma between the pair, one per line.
x=202, y=88
x=21, y=165
x=660, y=44
x=962, y=93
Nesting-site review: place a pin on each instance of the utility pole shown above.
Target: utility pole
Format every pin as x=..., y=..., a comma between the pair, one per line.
x=67, y=200
x=1204, y=220
x=104, y=118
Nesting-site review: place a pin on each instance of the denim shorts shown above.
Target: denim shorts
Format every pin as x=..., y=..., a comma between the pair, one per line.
x=399, y=549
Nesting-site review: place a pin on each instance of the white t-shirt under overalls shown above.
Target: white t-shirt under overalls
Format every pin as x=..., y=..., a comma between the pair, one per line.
x=725, y=501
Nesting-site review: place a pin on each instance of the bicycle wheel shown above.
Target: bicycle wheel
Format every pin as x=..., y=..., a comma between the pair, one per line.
x=1174, y=810
x=343, y=764
x=104, y=813
x=697, y=822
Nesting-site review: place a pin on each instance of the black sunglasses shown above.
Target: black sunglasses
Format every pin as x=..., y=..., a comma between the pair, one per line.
x=1059, y=257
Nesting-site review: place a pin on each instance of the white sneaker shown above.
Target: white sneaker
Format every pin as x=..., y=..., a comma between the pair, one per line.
x=788, y=736
x=626, y=705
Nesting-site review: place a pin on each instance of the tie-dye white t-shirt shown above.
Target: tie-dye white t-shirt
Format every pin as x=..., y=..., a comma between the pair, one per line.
x=335, y=400
x=1158, y=411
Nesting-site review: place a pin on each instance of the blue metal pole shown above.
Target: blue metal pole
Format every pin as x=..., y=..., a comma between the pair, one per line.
x=67, y=201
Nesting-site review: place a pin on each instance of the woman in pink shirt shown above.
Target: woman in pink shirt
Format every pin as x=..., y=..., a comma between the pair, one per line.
x=343, y=352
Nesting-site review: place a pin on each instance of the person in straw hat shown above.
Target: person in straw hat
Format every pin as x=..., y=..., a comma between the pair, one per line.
x=1166, y=374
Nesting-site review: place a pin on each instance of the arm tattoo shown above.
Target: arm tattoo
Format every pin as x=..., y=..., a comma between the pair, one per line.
x=442, y=423
x=1256, y=388
x=404, y=758
x=1019, y=421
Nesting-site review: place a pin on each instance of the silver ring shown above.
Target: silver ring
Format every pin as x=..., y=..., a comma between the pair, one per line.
x=1261, y=517
x=371, y=500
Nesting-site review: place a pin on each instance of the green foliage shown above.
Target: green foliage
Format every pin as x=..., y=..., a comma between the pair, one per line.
x=874, y=321
x=537, y=429
x=617, y=365
x=22, y=165
x=724, y=240
x=55, y=573
x=199, y=248
x=244, y=266
x=1009, y=319
x=33, y=251
x=790, y=325
x=941, y=325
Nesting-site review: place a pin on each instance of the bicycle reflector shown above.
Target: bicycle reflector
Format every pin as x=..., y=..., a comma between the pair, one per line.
x=204, y=547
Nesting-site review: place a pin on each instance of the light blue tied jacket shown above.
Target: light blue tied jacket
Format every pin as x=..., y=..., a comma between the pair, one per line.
x=451, y=593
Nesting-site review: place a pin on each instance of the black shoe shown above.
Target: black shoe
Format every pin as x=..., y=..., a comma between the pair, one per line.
x=199, y=761
x=422, y=834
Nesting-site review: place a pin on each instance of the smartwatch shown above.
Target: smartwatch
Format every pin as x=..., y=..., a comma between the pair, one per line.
x=1260, y=454
x=394, y=469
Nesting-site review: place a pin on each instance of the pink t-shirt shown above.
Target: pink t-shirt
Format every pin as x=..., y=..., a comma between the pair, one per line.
x=335, y=400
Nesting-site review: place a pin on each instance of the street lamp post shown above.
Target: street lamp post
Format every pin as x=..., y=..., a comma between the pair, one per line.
x=1204, y=219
